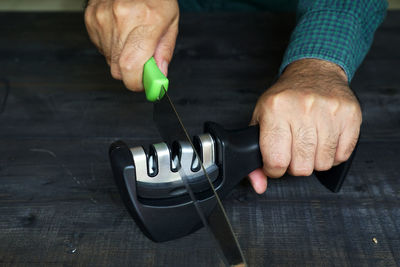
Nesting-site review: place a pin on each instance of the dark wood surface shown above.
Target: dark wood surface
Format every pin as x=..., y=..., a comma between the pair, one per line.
x=60, y=110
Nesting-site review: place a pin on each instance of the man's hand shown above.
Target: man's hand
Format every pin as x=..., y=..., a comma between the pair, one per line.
x=310, y=119
x=129, y=32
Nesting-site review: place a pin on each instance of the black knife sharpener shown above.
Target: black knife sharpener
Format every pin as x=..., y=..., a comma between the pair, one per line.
x=237, y=153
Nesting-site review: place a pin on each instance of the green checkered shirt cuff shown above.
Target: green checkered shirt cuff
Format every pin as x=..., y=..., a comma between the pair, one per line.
x=342, y=36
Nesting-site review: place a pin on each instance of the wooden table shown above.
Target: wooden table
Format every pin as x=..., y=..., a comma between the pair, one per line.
x=60, y=109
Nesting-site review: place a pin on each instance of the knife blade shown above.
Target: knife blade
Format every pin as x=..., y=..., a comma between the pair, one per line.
x=171, y=127
x=216, y=223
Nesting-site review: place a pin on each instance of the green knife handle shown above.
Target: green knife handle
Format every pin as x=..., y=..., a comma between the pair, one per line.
x=153, y=81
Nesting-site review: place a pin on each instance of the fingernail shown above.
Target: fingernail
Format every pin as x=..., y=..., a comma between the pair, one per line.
x=164, y=67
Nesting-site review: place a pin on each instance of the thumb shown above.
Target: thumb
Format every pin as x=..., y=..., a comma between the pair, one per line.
x=165, y=48
x=258, y=181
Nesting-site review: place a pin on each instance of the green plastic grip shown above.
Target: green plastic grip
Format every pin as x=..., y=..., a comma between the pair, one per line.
x=153, y=81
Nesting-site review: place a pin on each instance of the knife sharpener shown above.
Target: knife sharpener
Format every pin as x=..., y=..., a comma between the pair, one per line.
x=155, y=196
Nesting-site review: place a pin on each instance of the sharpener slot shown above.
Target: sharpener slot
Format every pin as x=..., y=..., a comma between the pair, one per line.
x=158, y=173
x=152, y=164
x=176, y=156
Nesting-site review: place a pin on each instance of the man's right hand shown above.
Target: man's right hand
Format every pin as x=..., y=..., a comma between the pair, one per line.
x=130, y=32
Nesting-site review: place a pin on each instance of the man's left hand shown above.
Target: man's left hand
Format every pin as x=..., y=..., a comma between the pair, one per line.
x=309, y=120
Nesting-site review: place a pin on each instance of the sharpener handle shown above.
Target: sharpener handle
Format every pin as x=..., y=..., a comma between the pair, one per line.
x=153, y=81
x=240, y=150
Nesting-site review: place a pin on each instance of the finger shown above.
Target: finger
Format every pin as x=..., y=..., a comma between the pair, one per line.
x=95, y=38
x=93, y=34
x=116, y=49
x=275, y=145
x=165, y=48
x=105, y=38
x=258, y=181
x=138, y=48
x=103, y=27
x=304, y=145
x=347, y=142
x=326, y=148
x=89, y=22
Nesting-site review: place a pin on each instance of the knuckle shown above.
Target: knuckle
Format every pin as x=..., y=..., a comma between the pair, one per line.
x=126, y=63
x=278, y=161
x=355, y=110
x=353, y=107
x=115, y=73
x=308, y=100
x=130, y=74
x=273, y=173
x=121, y=9
x=342, y=157
x=301, y=170
x=276, y=101
x=140, y=11
x=333, y=105
x=100, y=14
x=323, y=165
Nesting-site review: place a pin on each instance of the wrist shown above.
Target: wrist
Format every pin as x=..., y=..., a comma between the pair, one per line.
x=310, y=67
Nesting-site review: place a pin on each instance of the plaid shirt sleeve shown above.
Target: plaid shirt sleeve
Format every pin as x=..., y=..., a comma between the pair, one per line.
x=340, y=31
